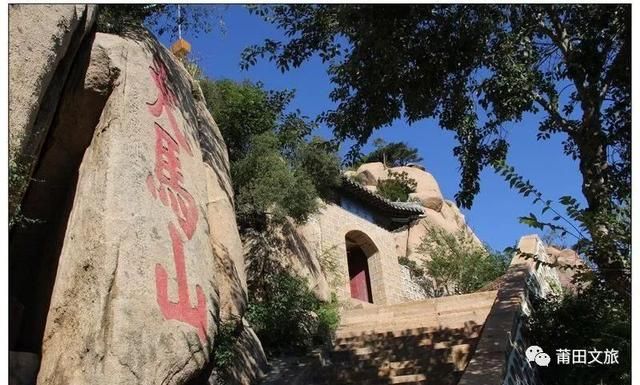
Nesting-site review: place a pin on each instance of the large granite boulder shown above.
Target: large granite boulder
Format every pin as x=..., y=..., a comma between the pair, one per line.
x=369, y=173
x=427, y=189
x=438, y=213
x=44, y=41
x=150, y=250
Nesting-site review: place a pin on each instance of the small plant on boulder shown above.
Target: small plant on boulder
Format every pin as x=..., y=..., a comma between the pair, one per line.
x=397, y=186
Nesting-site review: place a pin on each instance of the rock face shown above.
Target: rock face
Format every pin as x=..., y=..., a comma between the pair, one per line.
x=370, y=173
x=292, y=252
x=44, y=41
x=23, y=367
x=427, y=189
x=149, y=259
x=135, y=294
x=300, y=258
x=439, y=212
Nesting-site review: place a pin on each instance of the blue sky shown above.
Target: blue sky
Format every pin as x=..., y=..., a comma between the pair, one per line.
x=494, y=215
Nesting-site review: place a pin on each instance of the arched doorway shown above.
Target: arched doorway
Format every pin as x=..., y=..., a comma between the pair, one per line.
x=360, y=248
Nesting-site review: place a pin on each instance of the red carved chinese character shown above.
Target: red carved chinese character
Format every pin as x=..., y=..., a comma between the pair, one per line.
x=182, y=310
x=171, y=190
x=165, y=101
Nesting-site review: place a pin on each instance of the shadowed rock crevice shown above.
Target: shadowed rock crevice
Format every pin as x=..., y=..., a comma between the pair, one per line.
x=35, y=247
x=34, y=97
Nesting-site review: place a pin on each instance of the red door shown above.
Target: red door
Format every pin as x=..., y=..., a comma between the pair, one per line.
x=359, y=275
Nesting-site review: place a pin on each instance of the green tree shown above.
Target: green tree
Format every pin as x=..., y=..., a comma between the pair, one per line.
x=476, y=68
x=458, y=265
x=278, y=172
x=397, y=186
x=391, y=154
x=244, y=110
x=595, y=319
x=287, y=317
x=276, y=169
x=265, y=183
x=319, y=161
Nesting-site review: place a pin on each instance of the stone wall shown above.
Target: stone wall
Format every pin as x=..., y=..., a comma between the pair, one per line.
x=411, y=291
x=499, y=357
x=325, y=233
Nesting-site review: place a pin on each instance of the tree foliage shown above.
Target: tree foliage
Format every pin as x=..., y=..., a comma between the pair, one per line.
x=397, y=186
x=159, y=18
x=265, y=183
x=458, y=265
x=286, y=315
x=392, y=154
x=276, y=169
x=476, y=68
x=594, y=319
x=244, y=110
x=609, y=258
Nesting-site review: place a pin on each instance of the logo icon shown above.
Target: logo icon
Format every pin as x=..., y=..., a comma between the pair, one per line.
x=542, y=359
x=535, y=354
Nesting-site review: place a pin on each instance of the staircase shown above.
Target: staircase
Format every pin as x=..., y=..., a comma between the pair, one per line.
x=425, y=342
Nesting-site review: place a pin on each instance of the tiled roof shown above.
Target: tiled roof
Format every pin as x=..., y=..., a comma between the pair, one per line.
x=396, y=209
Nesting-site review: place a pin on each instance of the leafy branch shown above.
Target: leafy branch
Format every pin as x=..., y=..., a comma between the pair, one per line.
x=525, y=188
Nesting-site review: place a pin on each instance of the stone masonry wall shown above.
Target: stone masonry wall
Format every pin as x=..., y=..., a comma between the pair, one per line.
x=499, y=357
x=410, y=289
x=325, y=233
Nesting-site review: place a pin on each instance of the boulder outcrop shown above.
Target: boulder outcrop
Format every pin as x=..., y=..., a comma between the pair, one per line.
x=135, y=294
x=427, y=189
x=439, y=212
x=44, y=40
x=137, y=257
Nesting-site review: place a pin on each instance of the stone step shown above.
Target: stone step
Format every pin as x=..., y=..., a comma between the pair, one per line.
x=379, y=358
x=449, y=322
x=425, y=342
x=421, y=340
x=401, y=327
x=422, y=316
x=446, y=375
x=374, y=376
x=433, y=305
x=351, y=334
x=408, y=379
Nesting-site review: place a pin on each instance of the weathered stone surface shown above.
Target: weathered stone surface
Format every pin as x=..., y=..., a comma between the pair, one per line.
x=225, y=240
x=35, y=249
x=135, y=295
x=401, y=240
x=566, y=257
x=449, y=219
x=369, y=173
x=294, y=253
x=419, y=229
x=303, y=262
x=427, y=189
x=330, y=232
x=250, y=363
x=43, y=42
